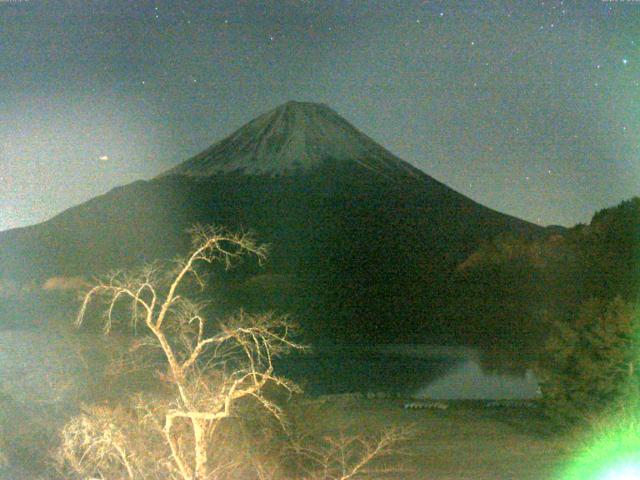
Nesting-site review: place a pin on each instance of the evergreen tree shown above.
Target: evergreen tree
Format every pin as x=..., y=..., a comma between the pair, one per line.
x=590, y=361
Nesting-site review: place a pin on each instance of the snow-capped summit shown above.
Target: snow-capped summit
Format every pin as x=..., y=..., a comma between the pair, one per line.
x=292, y=138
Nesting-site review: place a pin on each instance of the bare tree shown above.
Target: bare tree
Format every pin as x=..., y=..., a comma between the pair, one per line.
x=210, y=374
x=241, y=352
x=353, y=457
x=101, y=443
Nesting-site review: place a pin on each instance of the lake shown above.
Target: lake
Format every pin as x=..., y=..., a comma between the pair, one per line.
x=46, y=367
x=420, y=371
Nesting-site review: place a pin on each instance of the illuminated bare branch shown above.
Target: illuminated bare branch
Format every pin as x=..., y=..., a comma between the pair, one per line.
x=352, y=457
x=178, y=326
x=210, y=376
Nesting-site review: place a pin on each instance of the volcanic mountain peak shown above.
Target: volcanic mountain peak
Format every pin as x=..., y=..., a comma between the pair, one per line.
x=292, y=138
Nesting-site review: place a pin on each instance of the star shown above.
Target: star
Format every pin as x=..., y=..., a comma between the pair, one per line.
x=625, y=61
x=103, y=158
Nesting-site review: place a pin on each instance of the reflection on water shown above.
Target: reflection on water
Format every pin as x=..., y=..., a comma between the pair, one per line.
x=421, y=371
x=470, y=382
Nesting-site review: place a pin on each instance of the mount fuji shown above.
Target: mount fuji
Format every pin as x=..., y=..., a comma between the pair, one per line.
x=363, y=245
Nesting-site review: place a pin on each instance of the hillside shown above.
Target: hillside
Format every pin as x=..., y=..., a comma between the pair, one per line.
x=363, y=245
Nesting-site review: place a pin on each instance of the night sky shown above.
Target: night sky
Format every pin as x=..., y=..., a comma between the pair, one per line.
x=529, y=107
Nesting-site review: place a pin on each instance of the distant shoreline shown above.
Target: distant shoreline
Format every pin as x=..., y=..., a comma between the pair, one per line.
x=411, y=349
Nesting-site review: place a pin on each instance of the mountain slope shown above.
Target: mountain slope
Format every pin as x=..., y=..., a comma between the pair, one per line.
x=363, y=245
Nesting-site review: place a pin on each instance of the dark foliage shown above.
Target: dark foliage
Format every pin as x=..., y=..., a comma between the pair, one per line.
x=590, y=361
x=568, y=300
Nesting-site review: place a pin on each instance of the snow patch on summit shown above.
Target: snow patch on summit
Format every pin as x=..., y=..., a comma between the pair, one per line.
x=292, y=138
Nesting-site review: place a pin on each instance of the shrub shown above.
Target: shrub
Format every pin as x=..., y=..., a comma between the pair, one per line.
x=589, y=362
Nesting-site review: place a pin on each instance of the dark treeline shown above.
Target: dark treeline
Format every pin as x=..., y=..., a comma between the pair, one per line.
x=566, y=304
x=511, y=286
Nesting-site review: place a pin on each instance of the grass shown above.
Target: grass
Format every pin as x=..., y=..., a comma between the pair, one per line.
x=466, y=441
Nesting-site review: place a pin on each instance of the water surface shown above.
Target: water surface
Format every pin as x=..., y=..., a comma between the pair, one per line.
x=422, y=371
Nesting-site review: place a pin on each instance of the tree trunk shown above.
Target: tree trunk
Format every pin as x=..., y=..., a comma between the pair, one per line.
x=199, y=433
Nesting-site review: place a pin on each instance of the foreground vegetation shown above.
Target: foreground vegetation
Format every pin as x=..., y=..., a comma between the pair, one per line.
x=569, y=304
x=187, y=399
x=466, y=441
x=183, y=398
